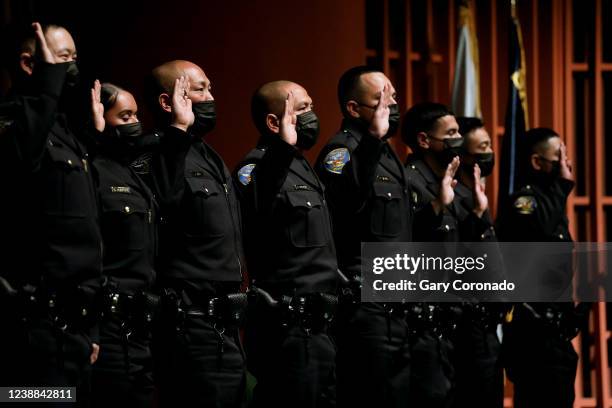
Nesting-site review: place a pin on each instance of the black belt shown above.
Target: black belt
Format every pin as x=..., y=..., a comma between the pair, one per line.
x=440, y=319
x=224, y=311
x=135, y=311
x=564, y=322
x=313, y=311
x=486, y=315
x=69, y=308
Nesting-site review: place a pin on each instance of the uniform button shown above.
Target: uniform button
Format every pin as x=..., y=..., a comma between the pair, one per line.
x=308, y=203
x=127, y=209
x=413, y=167
x=70, y=162
x=482, y=236
x=446, y=227
x=561, y=236
x=389, y=195
x=205, y=189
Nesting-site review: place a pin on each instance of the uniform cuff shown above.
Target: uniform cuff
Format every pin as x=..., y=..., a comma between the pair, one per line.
x=49, y=78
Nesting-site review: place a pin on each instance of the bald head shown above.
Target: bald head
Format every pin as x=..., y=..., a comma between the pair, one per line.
x=160, y=85
x=268, y=103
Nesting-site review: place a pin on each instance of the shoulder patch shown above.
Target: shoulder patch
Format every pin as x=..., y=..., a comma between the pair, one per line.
x=244, y=174
x=525, y=205
x=336, y=160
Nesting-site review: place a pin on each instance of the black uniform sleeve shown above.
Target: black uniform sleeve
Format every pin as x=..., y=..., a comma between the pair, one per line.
x=351, y=188
x=168, y=167
x=270, y=174
x=477, y=229
x=429, y=226
x=535, y=216
x=35, y=114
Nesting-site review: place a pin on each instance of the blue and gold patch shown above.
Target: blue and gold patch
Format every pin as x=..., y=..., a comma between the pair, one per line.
x=525, y=205
x=337, y=159
x=244, y=174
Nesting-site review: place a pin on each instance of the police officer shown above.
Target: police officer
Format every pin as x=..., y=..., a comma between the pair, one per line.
x=292, y=256
x=432, y=132
x=128, y=214
x=197, y=350
x=372, y=200
x=538, y=353
x=479, y=371
x=52, y=251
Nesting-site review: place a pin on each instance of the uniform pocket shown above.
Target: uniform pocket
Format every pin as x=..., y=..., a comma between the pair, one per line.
x=308, y=223
x=124, y=221
x=386, y=217
x=206, y=212
x=65, y=182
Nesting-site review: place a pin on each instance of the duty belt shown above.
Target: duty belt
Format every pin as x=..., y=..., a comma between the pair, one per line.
x=134, y=311
x=566, y=323
x=313, y=311
x=74, y=308
x=222, y=311
x=487, y=315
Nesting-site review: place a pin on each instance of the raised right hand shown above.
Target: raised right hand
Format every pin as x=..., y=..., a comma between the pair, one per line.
x=380, y=121
x=446, y=194
x=97, y=109
x=288, y=121
x=41, y=44
x=182, y=114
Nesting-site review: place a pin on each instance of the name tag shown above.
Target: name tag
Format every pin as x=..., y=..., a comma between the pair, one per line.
x=125, y=190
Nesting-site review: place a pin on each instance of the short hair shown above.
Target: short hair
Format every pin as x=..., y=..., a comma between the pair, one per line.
x=108, y=95
x=421, y=118
x=153, y=87
x=468, y=124
x=348, y=85
x=267, y=99
x=20, y=39
x=536, y=139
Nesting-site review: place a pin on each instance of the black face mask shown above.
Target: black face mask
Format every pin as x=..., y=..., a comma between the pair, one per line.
x=452, y=147
x=205, y=117
x=124, y=140
x=71, y=101
x=307, y=128
x=129, y=131
x=486, y=162
x=73, y=76
x=394, y=120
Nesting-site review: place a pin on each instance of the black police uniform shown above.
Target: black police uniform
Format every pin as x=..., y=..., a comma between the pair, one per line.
x=292, y=257
x=123, y=373
x=472, y=327
x=199, y=358
x=371, y=200
x=478, y=367
x=537, y=351
x=51, y=240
